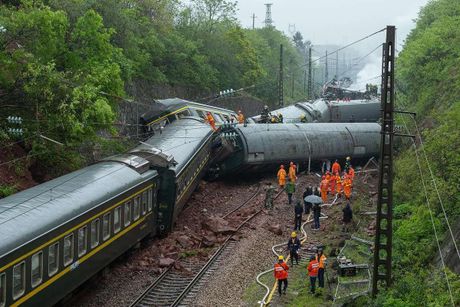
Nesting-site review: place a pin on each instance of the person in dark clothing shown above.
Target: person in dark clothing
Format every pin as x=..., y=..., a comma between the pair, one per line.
x=316, y=215
x=317, y=192
x=298, y=210
x=293, y=247
x=307, y=205
x=347, y=216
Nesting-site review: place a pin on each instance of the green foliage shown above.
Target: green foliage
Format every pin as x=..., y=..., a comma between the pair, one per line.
x=428, y=83
x=6, y=190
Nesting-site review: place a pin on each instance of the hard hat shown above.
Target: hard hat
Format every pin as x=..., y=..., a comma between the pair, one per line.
x=302, y=116
x=265, y=107
x=348, y=158
x=239, y=111
x=293, y=234
x=281, y=257
x=281, y=166
x=292, y=163
x=279, y=114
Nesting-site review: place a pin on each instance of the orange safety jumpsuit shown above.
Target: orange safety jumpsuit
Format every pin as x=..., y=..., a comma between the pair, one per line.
x=347, y=187
x=240, y=118
x=324, y=187
x=321, y=261
x=292, y=172
x=351, y=173
x=332, y=183
x=281, y=270
x=339, y=185
x=281, y=177
x=313, y=268
x=211, y=121
x=336, y=168
x=328, y=178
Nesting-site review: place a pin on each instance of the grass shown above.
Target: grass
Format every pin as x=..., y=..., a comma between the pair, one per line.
x=7, y=190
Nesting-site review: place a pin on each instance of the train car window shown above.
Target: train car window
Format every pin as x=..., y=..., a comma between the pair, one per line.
x=219, y=117
x=227, y=119
x=137, y=208
x=2, y=290
x=19, y=279
x=36, y=269
x=144, y=202
x=183, y=114
x=201, y=114
x=116, y=219
x=106, y=226
x=68, y=249
x=127, y=213
x=82, y=240
x=95, y=233
x=53, y=259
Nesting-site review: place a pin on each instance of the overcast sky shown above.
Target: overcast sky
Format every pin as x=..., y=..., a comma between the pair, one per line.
x=334, y=21
x=339, y=22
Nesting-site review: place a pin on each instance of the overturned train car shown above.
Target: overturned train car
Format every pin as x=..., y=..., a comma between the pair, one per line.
x=326, y=111
x=256, y=147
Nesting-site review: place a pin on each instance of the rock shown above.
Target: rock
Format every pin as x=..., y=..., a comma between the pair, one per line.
x=144, y=263
x=276, y=229
x=218, y=225
x=165, y=262
x=178, y=266
x=184, y=241
x=209, y=240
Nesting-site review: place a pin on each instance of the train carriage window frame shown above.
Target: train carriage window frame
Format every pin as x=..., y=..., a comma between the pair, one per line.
x=127, y=213
x=144, y=200
x=136, y=208
x=68, y=250
x=117, y=224
x=106, y=226
x=183, y=114
x=2, y=290
x=55, y=247
x=94, y=234
x=37, y=279
x=17, y=293
x=82, y=248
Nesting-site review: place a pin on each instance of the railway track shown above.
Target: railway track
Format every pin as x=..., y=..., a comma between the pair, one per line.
x=179, y=288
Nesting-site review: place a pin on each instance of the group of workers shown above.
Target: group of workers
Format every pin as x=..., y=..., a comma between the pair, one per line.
x=315, y=268
x=335, y=182
x=212, y=122
x=267, y=117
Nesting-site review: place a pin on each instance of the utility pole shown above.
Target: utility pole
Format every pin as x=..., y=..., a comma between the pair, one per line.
x=281, y=80
x=384, y=230
x=337, y=66
x=253, y=21
x=268, y=15
x=326, y=74
x=310, y=76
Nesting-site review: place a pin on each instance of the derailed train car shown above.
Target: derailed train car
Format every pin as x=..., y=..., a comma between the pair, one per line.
x=259, y=146
x=327, y=111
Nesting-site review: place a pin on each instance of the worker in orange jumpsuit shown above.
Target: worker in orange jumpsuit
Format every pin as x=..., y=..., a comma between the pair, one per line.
x=292, y=172
x=324, y=186
x=240, y=117
x=281, y=176
x=281, y=274
x=328, y=178
x=347, y=186
x=351, y=173
x=211, y=121
x=338, y=185
x=332, y=183
x=313, y=268
x=336, y=167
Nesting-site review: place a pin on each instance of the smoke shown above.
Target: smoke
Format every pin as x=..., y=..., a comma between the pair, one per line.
x=370, y=73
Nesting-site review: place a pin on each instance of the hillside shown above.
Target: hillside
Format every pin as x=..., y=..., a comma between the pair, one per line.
x=428, y=82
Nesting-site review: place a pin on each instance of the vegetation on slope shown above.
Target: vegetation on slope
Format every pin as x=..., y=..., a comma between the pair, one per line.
x=428, y=78
x=66, y=63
